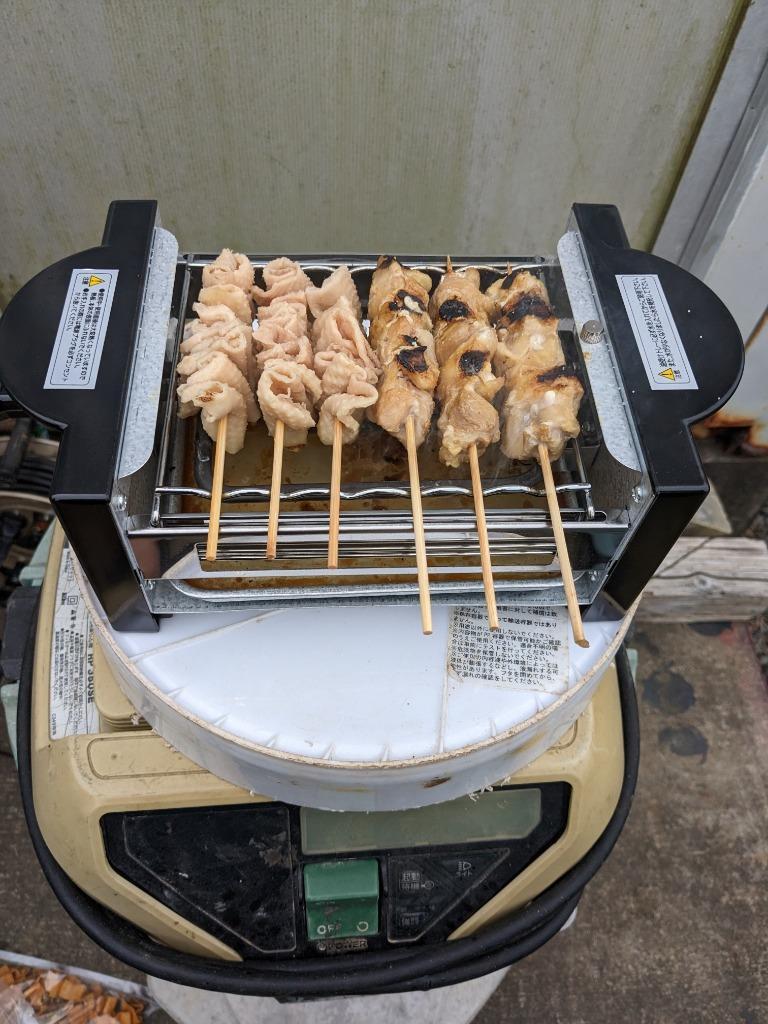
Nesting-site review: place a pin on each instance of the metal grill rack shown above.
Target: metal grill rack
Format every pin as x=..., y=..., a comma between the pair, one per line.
x=376, y=544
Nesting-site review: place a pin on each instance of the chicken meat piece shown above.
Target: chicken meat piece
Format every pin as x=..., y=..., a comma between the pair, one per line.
x=290, y=311
x=232, y=344
x=339, y=285
x=530, y=342
x=215, y=366
x=197, y=331
x=338, y=370
x=229, y=268
x=397, y=311
x=399, y=399
x=466, y=391
x=227, y=295
x=470, y=367
x=216, y=400
x=413, y=351
x=275, y=341
x=288, y=391
x=458, y=297
x=209, y=316
x=338, y=329
x=507, y=291
x=281, y=277
x=449, y=337
x=467, y=418
x=541, y=407
x=348, y=409
x=393, y=282
x=348, y=393
x=526, y=326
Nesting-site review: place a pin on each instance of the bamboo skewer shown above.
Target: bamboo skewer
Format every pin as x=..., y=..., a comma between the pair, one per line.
x=418, y=528
x=274, y=494
x=217, y=485
x=562, y=550
x=482, y=536
x=333, y=525
x=482, y=528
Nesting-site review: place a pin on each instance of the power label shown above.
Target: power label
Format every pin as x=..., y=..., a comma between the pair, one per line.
x=529, y=651
x=666, y=364
x=82, y=329
x=73, y=709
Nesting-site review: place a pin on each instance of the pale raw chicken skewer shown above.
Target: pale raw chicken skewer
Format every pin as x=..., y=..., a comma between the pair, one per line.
x=540, y=411
x=217, y=368
x=288, y=388
x=348, y=370
x=401, y=337
x=465, y=344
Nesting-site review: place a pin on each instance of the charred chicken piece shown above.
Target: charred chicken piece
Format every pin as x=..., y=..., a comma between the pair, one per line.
x=541, y=407
x=398, y=288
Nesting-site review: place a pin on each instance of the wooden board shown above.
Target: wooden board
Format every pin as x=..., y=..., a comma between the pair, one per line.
x=708, y=579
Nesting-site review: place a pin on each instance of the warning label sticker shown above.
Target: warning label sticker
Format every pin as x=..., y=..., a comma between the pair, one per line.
x=528, y=652
x=666, y=364
x=83, y=326
x=72, y=707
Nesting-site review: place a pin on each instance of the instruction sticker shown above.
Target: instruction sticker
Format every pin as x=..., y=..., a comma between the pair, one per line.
x=83, y=326
x=72, y=707
x=528, y=652
x=666, y=364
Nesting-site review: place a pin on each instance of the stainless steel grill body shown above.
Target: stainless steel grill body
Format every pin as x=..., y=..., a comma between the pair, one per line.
x=132, y=480
x=376, y=547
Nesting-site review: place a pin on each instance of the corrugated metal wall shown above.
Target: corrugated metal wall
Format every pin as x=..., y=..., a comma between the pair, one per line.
x=440, y=125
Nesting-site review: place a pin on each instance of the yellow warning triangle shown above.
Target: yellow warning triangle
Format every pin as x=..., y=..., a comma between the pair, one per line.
x=93, y=280
x=669, y=374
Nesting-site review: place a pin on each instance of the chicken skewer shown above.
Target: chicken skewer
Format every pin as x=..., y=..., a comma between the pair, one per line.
x=465, y=344
x=217, y=369
x=348, y=371
x=540, y=411
x=401, y=337
x=287, y=388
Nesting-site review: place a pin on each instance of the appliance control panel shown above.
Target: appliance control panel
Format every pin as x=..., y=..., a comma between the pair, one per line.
x=271, y=879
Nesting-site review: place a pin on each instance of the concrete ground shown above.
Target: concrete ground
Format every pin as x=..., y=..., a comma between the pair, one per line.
x=673, y=929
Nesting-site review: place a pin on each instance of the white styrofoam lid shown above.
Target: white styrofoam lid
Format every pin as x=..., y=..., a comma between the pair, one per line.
x=359, y=684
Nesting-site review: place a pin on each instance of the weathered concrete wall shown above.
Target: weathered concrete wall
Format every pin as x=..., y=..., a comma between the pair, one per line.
x=363, y=124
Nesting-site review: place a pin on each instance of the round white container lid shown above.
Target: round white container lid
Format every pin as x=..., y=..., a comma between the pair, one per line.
x=347, y=685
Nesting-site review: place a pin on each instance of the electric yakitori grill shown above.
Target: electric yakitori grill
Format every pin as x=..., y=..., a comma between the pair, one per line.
x=90, y=344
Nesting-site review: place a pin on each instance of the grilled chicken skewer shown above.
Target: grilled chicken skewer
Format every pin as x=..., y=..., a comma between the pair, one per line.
x=287, y=389
x=348, y=371
x=401, y=337
x=542, y=397
x=217, y=368
x=540, y=411
x=465, y=344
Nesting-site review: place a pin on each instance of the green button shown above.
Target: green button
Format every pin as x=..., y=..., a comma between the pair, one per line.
x=342, y=898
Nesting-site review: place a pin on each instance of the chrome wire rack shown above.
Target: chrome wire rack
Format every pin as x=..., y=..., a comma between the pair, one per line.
x=376, y=540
